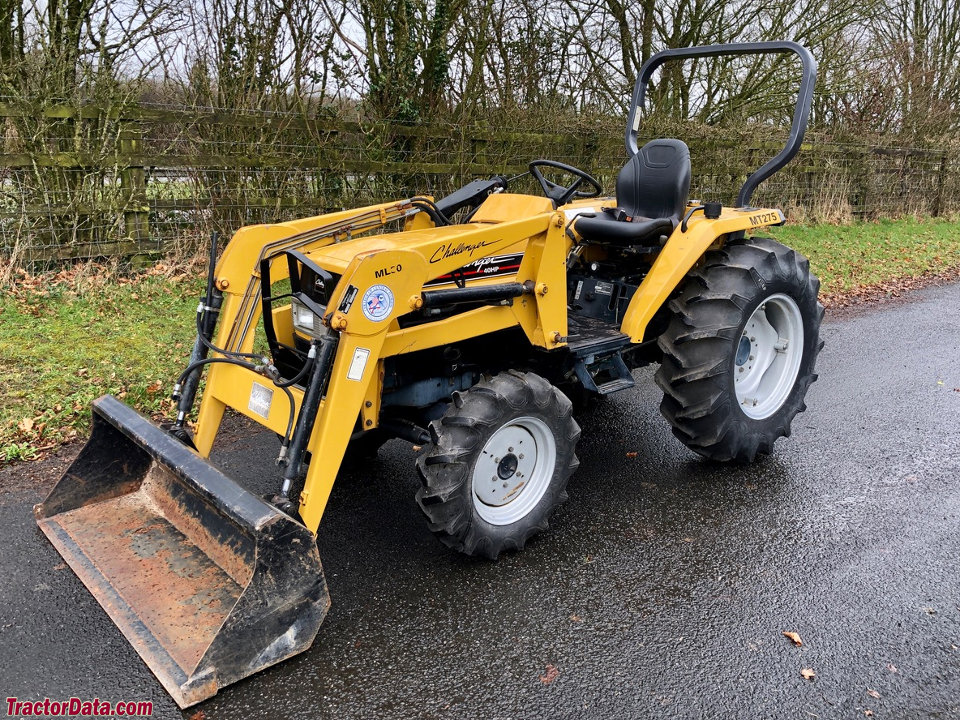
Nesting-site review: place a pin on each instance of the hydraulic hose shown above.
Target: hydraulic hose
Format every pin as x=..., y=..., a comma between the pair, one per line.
x=249, y=366
x=303, y=371
x=210, y=346
x=186, y=386
x=430, y=208
x=208, y=361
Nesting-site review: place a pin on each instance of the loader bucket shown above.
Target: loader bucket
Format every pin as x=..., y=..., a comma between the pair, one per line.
x=208, y=582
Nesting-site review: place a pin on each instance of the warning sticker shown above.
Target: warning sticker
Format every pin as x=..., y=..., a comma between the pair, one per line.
x=260, y=399
x=358, y=364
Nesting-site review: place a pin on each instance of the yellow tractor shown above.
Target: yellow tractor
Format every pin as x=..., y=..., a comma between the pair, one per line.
x=463, y=324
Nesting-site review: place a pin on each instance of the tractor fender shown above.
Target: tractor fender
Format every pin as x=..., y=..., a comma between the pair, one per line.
x=680, y=253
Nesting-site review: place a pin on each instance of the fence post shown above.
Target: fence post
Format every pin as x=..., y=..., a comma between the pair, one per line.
x=941, y=177
x=866, y=172
x=133, y=181
x=478, y=145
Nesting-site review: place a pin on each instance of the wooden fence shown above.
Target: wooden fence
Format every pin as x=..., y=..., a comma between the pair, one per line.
x=129, y=181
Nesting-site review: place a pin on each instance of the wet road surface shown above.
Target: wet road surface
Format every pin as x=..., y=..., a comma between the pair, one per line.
x=660, y=591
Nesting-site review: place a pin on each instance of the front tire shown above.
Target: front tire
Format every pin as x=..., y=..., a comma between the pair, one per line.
x=499, y=464
x=740, y=350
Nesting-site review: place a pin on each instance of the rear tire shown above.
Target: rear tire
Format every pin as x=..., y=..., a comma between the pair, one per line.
x=740, y=350
x=499, y=464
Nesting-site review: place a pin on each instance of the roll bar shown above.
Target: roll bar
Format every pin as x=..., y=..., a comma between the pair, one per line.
x=800, y=115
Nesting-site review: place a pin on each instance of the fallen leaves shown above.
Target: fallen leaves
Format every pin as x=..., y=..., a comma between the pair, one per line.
x=887, y=290
x=550, y=674
x=794, y=637
x=873, y=693
x=31, y=429
x=154, y=387
x=576, y=618
x=632, y=454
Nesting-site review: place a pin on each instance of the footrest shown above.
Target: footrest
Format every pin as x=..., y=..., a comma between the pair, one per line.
x=604, y=375
x=615, y=385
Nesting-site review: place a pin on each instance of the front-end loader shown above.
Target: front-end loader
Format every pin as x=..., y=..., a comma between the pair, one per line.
x=463, y=324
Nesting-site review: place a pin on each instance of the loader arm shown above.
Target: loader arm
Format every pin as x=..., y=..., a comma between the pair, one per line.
x=400, y=266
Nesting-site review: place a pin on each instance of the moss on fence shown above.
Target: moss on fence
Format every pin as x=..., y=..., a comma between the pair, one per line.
x=135, y=180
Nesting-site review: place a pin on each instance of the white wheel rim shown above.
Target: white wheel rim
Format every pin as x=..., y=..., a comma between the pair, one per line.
x=767, y=358
x=514, y=470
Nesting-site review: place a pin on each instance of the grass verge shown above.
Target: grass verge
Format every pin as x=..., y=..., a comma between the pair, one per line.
x=851, y=258
x=66, y=339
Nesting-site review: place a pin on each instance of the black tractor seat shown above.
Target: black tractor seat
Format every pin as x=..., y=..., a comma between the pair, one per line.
x=652, y=191
x=604, y=227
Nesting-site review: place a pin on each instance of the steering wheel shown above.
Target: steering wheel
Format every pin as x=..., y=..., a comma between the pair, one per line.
x=560, y=194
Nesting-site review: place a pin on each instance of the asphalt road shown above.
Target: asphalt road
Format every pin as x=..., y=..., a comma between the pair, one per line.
x=660, y=591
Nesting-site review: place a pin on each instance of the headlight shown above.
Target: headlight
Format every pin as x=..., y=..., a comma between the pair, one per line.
x=305, y=320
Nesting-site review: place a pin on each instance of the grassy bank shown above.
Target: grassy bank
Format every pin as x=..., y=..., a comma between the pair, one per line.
x=69, y=338
x=848, y=258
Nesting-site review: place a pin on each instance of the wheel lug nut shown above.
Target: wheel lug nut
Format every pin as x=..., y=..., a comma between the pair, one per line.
x=504, y=485
x=510, y=449
x=521, y=456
